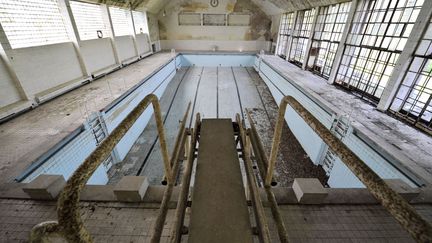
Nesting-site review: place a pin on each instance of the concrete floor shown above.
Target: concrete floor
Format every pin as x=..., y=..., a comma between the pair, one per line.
x=216, y=92
x=25, y=138
x=133, y=222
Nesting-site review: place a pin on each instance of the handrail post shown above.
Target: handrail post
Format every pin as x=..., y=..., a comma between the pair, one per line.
x=276, y=141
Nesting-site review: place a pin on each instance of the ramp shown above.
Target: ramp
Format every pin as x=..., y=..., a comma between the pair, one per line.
x=219, y=208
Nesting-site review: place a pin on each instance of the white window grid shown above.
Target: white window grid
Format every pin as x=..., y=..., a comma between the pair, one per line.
x=301, y=34
x=380, y=30
x=328, y=33
x=413, y=101
x=32, y=22
x=140, y=22
x=120, y=21
x=89, y=20
x=285, y=30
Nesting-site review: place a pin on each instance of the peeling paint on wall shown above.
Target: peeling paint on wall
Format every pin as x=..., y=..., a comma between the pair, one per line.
x=194, y=6
x=153, y=27
x=259, y=28
x=260, y=22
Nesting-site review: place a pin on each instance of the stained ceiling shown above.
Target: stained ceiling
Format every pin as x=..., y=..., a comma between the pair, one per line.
x=270, y=7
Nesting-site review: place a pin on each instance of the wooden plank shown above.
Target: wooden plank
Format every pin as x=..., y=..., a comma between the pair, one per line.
x=219, y=208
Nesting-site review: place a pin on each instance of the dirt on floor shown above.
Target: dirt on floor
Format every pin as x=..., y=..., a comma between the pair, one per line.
x=292, y=161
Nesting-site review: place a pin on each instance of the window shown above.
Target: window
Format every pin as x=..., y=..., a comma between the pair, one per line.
x=301, y=34
x=140, y=22
x=239, y=19
x=120, y=21
x=89, y=20
x=285, y=30
x=32, y=22
x=328, y=33
x=413, y=99
x=214, y=19
x=189, y=19
x=379, y=33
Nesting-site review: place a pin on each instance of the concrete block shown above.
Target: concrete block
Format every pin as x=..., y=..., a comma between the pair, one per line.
x=309, y=190
x=45, y=187
x=401, y=187
x=131, y=188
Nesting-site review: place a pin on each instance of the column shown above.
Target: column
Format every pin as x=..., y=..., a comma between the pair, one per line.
x=108, y=22
x=73, y=33
x=4, y=46
x=312, y=32
x=290, y=37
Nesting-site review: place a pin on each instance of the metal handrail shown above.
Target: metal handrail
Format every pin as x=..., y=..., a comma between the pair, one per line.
x=177, y=227
x=397, y=206
x=163, y=210
x=260, y=215
x=262, y=162
x=70, y=224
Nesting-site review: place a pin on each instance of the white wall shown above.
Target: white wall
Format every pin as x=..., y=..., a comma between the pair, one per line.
x=44, y=67
x=8, y=91
x=143, y=44
x=98, y=54
x=45, y=71
x=125, y=47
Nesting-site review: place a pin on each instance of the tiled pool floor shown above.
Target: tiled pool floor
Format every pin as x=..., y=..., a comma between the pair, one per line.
x=216, y=92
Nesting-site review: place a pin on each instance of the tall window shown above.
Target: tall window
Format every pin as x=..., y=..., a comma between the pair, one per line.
x=32, y=22
x=302, y=32
x=328, y=33
x=379, y=33
x=120, y=20
x=89, y=20
x=413, y=100
x=285, y=30
x=140, y=22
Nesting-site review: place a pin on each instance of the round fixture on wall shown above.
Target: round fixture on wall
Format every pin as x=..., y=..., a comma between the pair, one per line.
x=99, y=34
x=214, y=3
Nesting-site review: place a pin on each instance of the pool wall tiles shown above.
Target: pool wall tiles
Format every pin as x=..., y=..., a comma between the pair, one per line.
x=340, y=176
x=66, y=160
x=155, y=84
x=241, y=60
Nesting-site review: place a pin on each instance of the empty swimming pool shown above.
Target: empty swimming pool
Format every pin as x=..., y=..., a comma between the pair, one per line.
x=219, y=86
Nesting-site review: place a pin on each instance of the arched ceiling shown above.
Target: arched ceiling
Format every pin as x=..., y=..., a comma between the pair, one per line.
x=270, y=7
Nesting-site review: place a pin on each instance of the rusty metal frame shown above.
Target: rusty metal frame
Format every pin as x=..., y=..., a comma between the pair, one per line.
x=163, y=210
x=69, y=223
x=262, y=162
x=398, y=207
x=185, y=184
x=262, y=225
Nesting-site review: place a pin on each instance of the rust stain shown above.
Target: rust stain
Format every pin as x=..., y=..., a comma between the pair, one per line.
x=248, y=35
x=230, y=7
x=260, y=23
x=163, y=35
x=194, y=6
